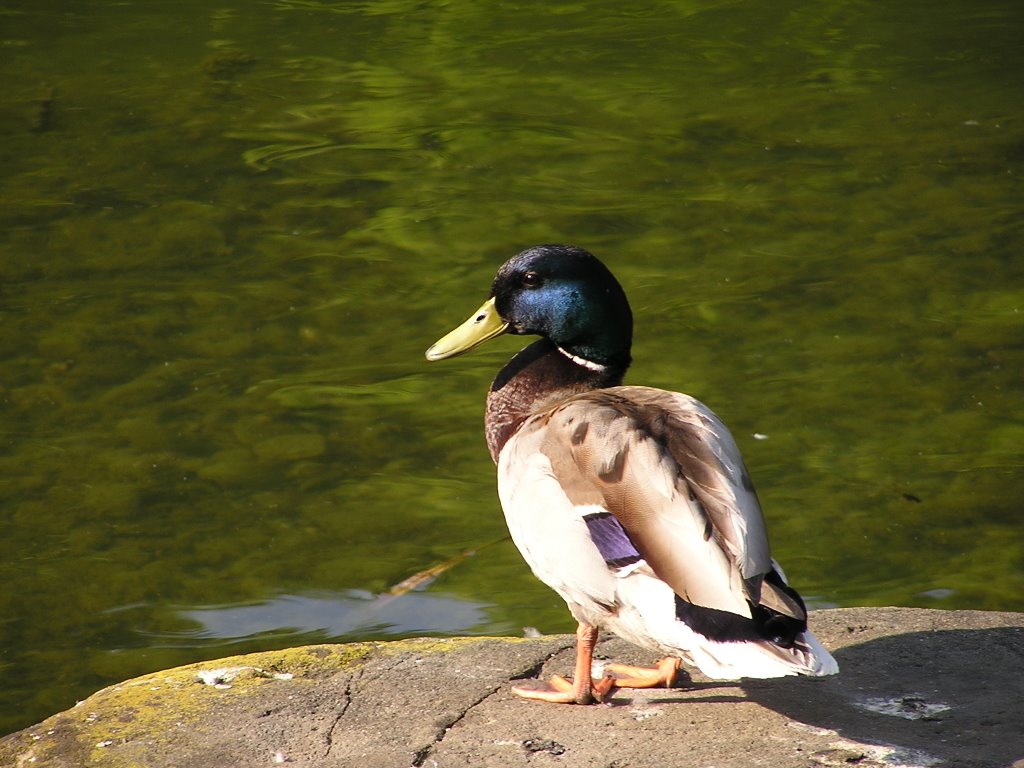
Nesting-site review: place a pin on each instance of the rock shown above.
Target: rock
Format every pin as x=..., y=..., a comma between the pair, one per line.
x=916, y=688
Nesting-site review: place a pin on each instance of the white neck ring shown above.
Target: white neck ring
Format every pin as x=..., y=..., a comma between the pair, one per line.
x=590, y=365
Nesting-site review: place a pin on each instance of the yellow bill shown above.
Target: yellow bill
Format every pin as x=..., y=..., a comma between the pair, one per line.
x=482, y=325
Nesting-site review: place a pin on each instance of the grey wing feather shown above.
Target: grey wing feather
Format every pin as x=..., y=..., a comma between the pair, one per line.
x=669, y=469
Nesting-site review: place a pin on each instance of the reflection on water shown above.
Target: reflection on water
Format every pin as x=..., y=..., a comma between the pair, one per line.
x=228, y=233
x=353, y=613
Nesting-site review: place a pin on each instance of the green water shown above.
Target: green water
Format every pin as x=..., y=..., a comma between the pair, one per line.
x=229, y=232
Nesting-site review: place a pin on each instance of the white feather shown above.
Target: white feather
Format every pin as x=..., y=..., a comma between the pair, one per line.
x=630, y=601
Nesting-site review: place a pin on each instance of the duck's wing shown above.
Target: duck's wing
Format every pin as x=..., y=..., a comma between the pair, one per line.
x=668, y=471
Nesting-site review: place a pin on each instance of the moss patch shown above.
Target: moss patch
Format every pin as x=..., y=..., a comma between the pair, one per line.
x=121, y=724
x=114, y=726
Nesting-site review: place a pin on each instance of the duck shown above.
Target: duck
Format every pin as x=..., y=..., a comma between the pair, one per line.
x=631, y=502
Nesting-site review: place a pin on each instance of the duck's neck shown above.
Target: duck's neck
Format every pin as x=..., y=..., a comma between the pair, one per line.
x=539, y=376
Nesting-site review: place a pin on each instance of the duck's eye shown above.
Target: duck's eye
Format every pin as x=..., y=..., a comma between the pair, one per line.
x=531, y=280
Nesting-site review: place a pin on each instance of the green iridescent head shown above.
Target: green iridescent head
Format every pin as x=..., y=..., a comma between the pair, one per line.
x=559, y=292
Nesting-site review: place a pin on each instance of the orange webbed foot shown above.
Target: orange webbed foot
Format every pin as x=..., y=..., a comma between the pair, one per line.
x=662, y=674
x=584, y=689
x=558, y=690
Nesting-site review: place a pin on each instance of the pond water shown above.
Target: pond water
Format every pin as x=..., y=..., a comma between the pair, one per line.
x=230, y=231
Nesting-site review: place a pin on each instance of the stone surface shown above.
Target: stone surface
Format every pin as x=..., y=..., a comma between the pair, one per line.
x=916, y=688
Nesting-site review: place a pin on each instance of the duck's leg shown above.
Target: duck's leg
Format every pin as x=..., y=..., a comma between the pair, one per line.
x=662, y=674
x=582, y=689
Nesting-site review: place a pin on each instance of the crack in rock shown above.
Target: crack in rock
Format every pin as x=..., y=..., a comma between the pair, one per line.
x=359, y=681
x=346, y=700
x=537, y=669
x=421, y=755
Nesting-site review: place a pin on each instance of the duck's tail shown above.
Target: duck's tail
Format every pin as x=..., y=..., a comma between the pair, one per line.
x=727, y=660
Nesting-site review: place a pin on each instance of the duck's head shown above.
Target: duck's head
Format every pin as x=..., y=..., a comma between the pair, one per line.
x=559, y=292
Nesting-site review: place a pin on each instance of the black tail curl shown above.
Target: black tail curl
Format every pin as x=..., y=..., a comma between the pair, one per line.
x=764, y=624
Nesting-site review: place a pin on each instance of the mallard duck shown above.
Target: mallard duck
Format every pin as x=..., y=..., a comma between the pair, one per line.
x=632, y=503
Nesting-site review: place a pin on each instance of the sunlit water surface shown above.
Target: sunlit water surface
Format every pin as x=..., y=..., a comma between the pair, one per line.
x=229, y=231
